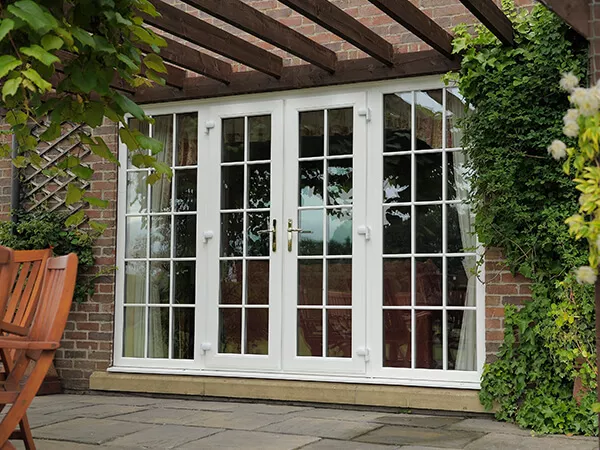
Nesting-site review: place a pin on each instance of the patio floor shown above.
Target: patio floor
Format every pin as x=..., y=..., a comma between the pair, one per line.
x=88, y=422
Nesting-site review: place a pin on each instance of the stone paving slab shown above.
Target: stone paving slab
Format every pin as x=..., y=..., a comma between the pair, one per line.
x=234, y=421
x=403, y=435
x=88, y=431
x=162, y=437
x=236, y=440
x=497, y=441
x=416, y=420
x=252, y=408
x=201, y=405
x=340, y=414
x=41, y=444
x=158, y=416
x=330, y=444
x=336, y=429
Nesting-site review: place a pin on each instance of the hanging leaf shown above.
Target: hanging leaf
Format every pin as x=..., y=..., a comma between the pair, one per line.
x=10, y=87
x=37, y=52
x=74, y=194
x=33, y=14
x=75, y=219
x=35, y=77
x=6, y=25
x=8, y=63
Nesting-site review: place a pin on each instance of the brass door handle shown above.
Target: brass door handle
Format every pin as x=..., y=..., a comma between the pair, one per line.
x=290, y=230
x=273, y=231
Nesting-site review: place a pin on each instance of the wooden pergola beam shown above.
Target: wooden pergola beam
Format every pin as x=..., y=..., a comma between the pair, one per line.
x=492, y=17
x=417, y=22
x=185, y=26
x=256, y=23
x=194, y=60
x=174, y=76
x=345, y=26
x=413, y=64
x=575, y=12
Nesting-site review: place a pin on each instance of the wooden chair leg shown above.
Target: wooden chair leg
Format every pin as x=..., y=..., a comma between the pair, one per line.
x=8, y=446
x=26, y=433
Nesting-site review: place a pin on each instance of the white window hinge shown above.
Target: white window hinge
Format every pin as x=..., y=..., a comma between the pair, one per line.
x=365, y=230
x=205, y=346
x=364, y=352
x=366, y=113
x=209, y=125
x=207, y=235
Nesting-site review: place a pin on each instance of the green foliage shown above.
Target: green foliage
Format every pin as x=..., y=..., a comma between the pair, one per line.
x=43, y=229
x=521, y=199
x=92, y=43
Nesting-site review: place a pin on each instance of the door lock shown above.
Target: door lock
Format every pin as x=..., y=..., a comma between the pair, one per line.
x=290, y=230
x=273, y=231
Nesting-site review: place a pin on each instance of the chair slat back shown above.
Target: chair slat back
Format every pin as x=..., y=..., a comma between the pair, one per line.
x=56, y=297
x=6, y=274
x=26, y=286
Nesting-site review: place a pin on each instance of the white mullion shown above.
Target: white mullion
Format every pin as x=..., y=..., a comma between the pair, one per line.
x=170, y=339
x=413, y=262
x=245, y=242
x=444, y=237
x=324, y=330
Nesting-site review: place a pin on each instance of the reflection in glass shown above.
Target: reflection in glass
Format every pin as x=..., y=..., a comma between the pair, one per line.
x=162, y=131
x=232, y=187
x=158, y=332
x=160, y=236
x=134, y=332
x=461, y=279
x=461, y=236
x=339, y=282
x=137, y=192
x=259, y=186
x=135, y=282
x=136, y=238
x=259, y=131
x=258, y=243
x=310, y=332
x=396, y=338
x=185, y=236
x=311, y=183
x=429, y=229
x=257, y=331
x=310, y=282
x=340, y=124
x=396, y=179
x=396, y=230
x=144, y=128
x=397, y=282
x=455, y=111
x=339, y=188
x=257, y=282
x=185, y=190
x=232, y=234
x=187, y=139
x=428, y=281
x=462, y=340
x=159, y=282
x=312, y=134
x=458, y=176
x=231, y=282
x=429, y=340
x=183, y=333
x=429, y=176
x=339, y=333
x=233, y=140
x=310, y=242
x=230, y=330
x=160, y=195
x=429, y=112
x=397, y=116
x=185, y=282
x=339, y=229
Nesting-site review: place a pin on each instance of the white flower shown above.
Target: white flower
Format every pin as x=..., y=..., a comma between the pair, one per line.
x=585, y=275
x=585, y=100
x=569, y=81
x=571, y=116
x=557, y=149
x=571, y=129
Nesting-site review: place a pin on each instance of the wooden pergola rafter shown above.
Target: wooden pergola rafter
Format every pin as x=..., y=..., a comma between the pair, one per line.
x=323, y=67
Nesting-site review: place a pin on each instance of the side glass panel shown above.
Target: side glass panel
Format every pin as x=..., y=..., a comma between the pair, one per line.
x=245, y=223
x=325, y=199
x=160, y=247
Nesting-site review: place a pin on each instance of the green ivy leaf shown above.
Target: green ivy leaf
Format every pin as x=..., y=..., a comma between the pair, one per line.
x=83, y=37
x=74, y=194
x=155, y=62
x=97, y=226
x=35, y=77
x=37, y=52
x=99, y=147
x=128, y=138
x=95, y=201
x=33, y=14
x=6, y=25
x=154, y=145
x=52, y=132
x=8, y=63
x=94, y=114
x=11, y=87
x=52, y=42
x=75, y=219
x=129, y=106
x=83, y=172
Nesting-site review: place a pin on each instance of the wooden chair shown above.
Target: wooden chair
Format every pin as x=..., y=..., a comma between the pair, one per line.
x=37, y=348
x=6, y=270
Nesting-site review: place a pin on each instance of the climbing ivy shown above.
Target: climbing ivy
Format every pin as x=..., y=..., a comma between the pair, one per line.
x=521, y=199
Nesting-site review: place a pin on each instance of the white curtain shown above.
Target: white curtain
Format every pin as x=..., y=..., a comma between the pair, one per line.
x=135, y=325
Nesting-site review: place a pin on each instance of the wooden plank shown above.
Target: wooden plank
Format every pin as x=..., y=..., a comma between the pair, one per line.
x=185, y=26
x=492, y=17
x=194, y=60
x=254, y=22
x=345, y=26
x=575, y=12
x=174, y=76
x=417, y=22
x=428, y=62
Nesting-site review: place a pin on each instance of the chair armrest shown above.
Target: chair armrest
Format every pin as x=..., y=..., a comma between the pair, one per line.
x=8, y=327
x=25, y=344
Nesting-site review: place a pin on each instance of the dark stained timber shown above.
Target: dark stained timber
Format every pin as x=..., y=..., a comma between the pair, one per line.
x=254, y=22
x=575, y=12
x=492, y=17
x=345, y=26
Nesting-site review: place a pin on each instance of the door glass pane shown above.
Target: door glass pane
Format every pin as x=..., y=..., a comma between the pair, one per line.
x=259, y=131
x=311, y=183
x=183, y=333
x=310, y=282
x=396, y=230
x=397, y=283
x=159, y=282
x=160, y=236
x=429, y=281
x=339, y=333
x=429, y=111
x=340, y=124
x=257, y=282
x=185, y=236
x=230, y=330
x=396, y=338
x=310, y=332
x=160, y=195
x=134, y=332
x=259, y=186
x=186, y=191
x=233, y=140
x=144, y=128
x=232, y=234
x=185, y=282
x=429, y=229
x=162, y=131
x=312, y=134
x=231, y=282
x=397, y=116
x=258, y=239
x=458, y=176
x=339, y=188
x=429, y=177
x=137, y=192
x=257, y=331
x=429, y=340
x=339, y=231
x=455, y=111
x=136, y=237
x=135, y=282
x=396, y=179
x=310, y=242
x=462, y=340
x=460, y=228
x=339, y=282
x=232, y=190
x=158, y=332
x=187, y=139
